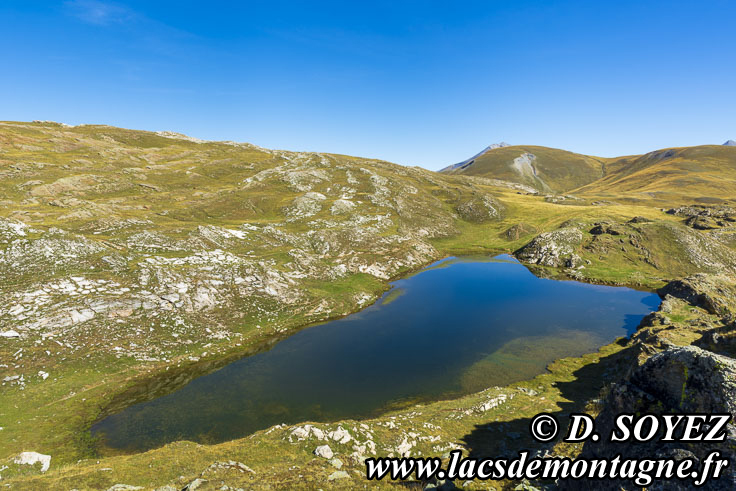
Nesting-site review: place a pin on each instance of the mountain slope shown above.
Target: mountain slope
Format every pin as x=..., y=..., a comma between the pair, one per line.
x=545, y=169
x=471, y=160
x=674, y=174
x=706, y=173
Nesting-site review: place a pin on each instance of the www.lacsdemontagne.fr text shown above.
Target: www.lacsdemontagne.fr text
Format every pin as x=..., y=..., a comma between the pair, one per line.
x=642, y=471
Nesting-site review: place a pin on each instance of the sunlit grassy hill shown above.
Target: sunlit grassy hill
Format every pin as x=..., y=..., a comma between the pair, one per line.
x=545, y=169
x=707, y=173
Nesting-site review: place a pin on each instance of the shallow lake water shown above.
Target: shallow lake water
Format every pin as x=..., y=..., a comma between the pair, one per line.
x=458, y=326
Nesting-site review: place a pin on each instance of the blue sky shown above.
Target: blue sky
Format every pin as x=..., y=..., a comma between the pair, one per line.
x=418, y=83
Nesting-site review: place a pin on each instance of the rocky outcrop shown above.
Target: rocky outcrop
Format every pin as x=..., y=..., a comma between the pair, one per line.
x=714, y=293
x=607, y=228
x=479, y=209
x=33, y=458
x=555, y=249
x=706, y=217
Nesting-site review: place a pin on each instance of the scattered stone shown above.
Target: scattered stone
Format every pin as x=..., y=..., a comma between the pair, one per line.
x=340, y=435
x=606, y=228
x=324, y=451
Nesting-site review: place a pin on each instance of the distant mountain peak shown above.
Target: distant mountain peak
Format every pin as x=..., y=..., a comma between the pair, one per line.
x=730, y=143
x=469, y=161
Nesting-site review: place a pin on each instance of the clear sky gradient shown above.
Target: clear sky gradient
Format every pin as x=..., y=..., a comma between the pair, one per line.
x=417, y=83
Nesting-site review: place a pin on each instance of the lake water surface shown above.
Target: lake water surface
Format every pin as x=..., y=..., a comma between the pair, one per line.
x=456, y=327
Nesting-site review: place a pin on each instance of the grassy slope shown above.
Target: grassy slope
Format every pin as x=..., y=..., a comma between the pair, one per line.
x=199, y=184
x=706, y=173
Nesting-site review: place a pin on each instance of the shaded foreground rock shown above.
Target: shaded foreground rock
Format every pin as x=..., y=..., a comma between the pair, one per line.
x=678, y=380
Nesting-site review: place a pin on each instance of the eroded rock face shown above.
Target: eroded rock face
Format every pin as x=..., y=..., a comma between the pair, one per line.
x=557, y=248
x=678, y=380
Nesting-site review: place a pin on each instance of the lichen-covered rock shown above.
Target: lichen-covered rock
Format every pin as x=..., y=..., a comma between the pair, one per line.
x=554, y=249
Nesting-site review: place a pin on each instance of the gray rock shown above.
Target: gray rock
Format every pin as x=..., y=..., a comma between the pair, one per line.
x=479, y=209
x=32, y=458
x=194, y=484
x=324, y=451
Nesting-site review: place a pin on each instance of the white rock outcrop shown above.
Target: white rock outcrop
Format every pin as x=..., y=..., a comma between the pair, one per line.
x=32, y=458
